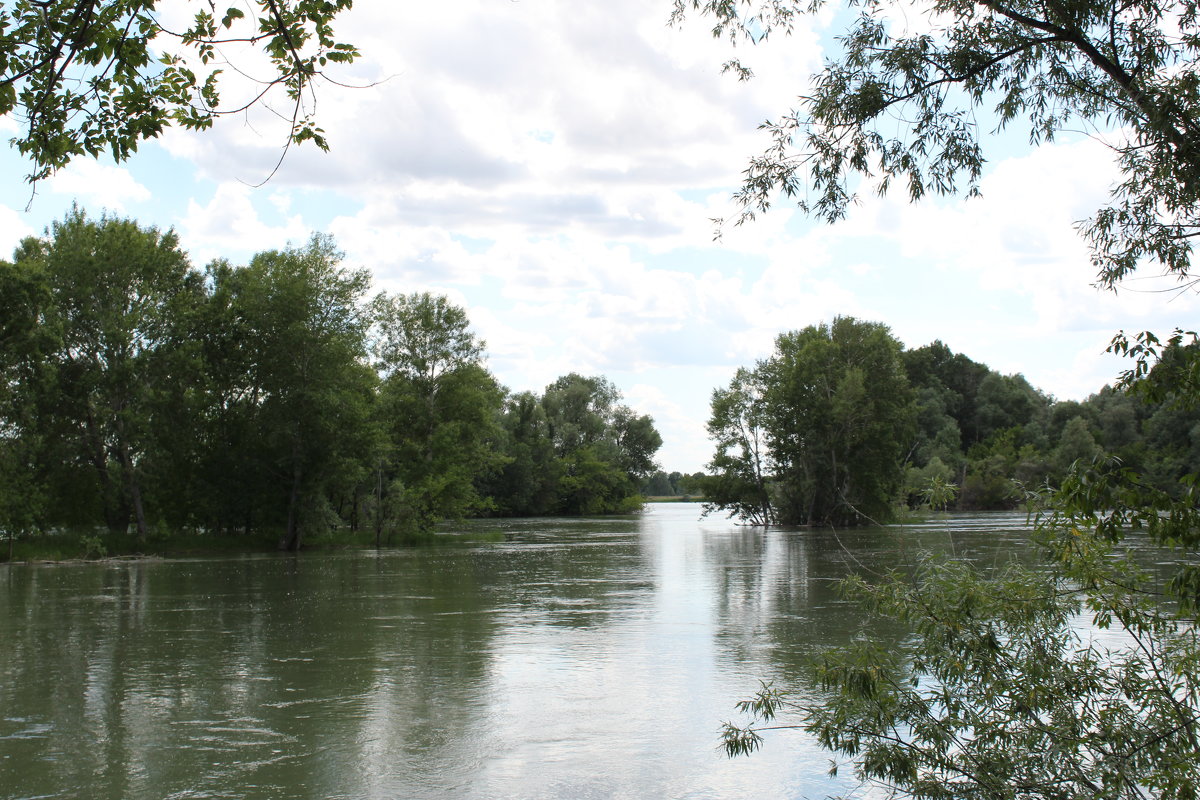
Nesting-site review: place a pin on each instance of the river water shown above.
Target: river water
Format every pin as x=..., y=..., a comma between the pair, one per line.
x=556, y=658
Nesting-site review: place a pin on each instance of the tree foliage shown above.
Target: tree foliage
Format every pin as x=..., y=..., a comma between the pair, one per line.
x=307, y=373
x=114, y=290
x=741, y=467
x=273, y=399
x=828, y=415
x=913, y=92
x=576, y=449
x=1000, y=692
x=438, y=405
x=100, y=76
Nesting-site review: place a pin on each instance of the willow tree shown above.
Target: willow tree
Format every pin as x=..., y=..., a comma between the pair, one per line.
x=909, y=99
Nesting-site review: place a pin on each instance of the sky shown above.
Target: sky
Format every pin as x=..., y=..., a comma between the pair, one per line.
x=554, y=167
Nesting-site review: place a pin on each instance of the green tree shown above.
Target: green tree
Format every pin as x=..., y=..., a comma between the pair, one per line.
x=912, y=104
x=527, y=484
x=100, y=76
x=115, y=292
x=953, y=378
x=839, y=413
x=741, y=468
x=1007, y=401
x=575, y=450
x=1076, y=444
x=26, y=346
x=637, y=440
x=439, y=406
x=998, y=695
x=307, y=388
x=658, y=485
x=579, y=411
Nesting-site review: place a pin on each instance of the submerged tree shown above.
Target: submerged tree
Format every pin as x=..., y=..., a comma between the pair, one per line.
x=740, y=468
x=438, y=406
x=115, y=293
x=307, y=384
x=830, y=412
x=26, y=343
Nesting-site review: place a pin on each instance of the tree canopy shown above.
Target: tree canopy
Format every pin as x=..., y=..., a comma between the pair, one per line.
x=910, y=98
x=828, y=415
x=273, y=402
x=85, y=77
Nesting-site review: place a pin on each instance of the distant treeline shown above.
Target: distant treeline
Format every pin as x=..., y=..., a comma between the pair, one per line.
x=141, y=393
x=842, y=424
x=674, y=484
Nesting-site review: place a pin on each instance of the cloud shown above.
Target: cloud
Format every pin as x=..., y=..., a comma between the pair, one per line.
x=96, y=185
x=230, y=226
x=12, y=230
x=549, y=116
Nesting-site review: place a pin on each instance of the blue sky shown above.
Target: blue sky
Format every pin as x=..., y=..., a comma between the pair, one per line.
x=553, y=168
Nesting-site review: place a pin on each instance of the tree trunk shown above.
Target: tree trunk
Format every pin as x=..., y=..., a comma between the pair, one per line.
x=378, y=506
x=135, y=492
x=291, y=536
x=99, y=460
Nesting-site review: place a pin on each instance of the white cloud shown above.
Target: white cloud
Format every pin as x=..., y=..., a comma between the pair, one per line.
x=97, y=185
x=12, y=230
x=229, y=226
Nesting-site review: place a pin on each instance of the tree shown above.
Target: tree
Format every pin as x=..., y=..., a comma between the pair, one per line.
x=306, y=387
x=838, y=411
x=115, y=291
x=1076, y=444
x=579, y=410
x=910, y=105
x=740, y=468
x=575, y=450
x=1006, y=401
x=527, y=484
x=816, y=434
x=605, y=449
x=995, y=695
x=25, y=343
x=82, y=78
x=954, y=378
x=438, y=405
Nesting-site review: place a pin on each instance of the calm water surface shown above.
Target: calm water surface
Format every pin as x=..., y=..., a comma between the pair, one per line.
x=565, y=659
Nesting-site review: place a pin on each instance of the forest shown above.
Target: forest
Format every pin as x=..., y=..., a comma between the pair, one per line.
x=277, y=401
x=273, y=400
x=842, y=425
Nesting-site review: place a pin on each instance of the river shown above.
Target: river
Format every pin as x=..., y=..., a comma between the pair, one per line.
x=555, y=658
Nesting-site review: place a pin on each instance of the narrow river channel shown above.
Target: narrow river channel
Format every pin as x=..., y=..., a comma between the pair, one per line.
x=556, y=658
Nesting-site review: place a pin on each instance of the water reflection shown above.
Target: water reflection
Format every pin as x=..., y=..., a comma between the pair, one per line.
x=591, y=658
